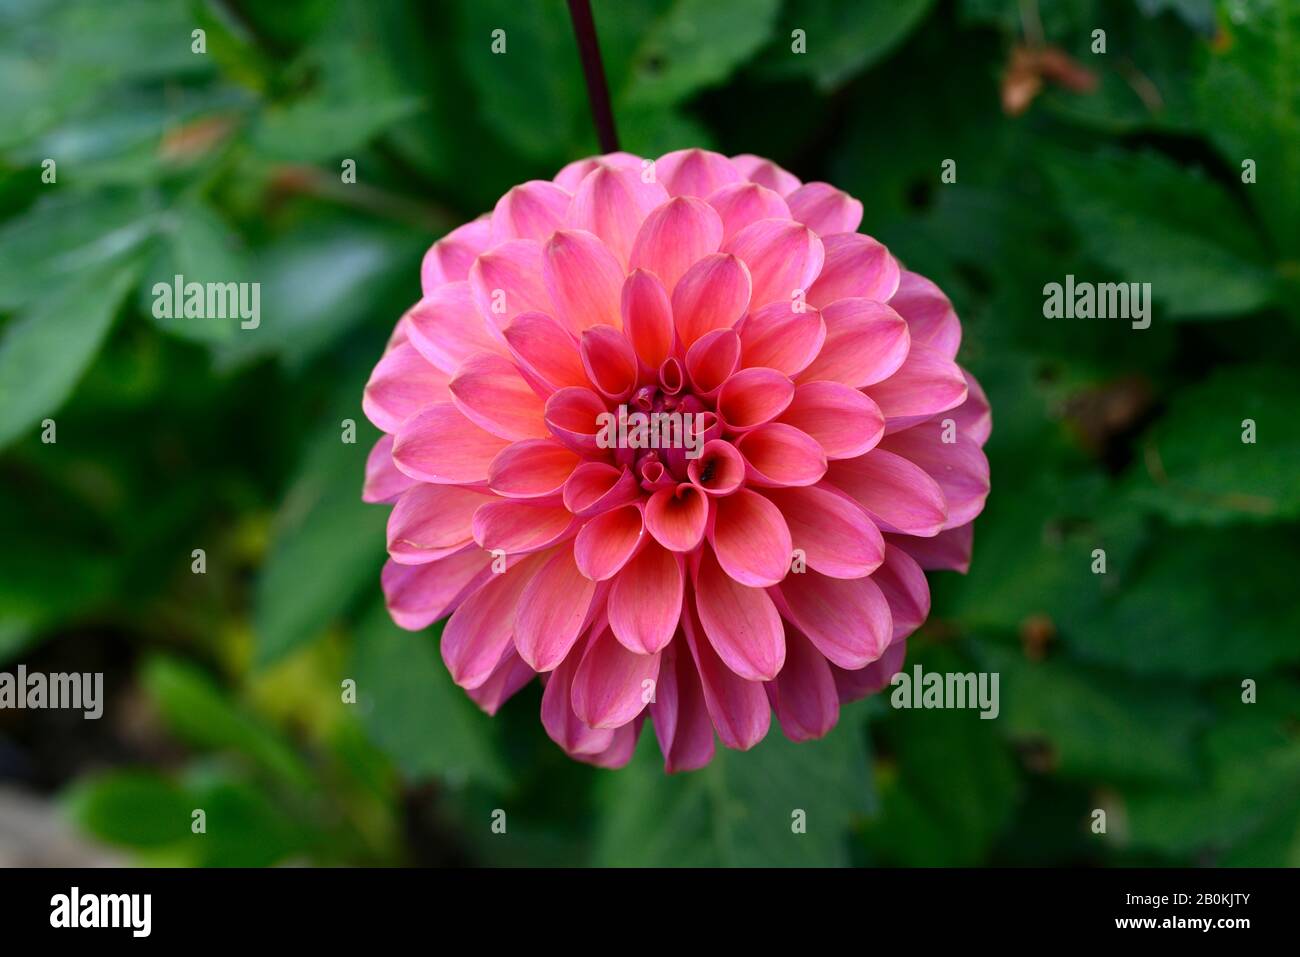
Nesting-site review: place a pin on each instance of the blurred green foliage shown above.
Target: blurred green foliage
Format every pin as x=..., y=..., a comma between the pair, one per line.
x=1120, y=691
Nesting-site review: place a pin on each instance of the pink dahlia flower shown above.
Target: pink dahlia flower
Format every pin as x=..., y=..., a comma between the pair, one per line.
x=769, y=555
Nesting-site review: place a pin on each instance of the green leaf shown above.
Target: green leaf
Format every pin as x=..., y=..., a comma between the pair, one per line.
x=1249, y=98
x=46, y=348
x=132, y=808
x=201, y=715
x=739, y=811
x=328, y=547
x=1197, y=468
x=695, y=45
x=1147, y=220
x=843, y=37
x=413, y=711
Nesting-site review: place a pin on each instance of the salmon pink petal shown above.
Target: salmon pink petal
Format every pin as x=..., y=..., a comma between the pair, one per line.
x=546, y=350
x=694, y=172
x=754, y=396
x=674, y=236
x=856, y=267
x=834, y=533
x=438, y=444
x=875, y=677
x=924, y=385
x=572, y=415
x=765, y=173
x=904, y=586
x=647, y=317
x=803, y=695
x=950, y=550
x=929, y=314
x=621, y=747
x=519, y=527
x=783, y=257
x=477, y=635
x=431, y=522
x=719, y=469
x=740, y=204
x=847, y=619
x=584, y=280
x=739, y=708
x=960, y=468
x=712, y=360
x=509, y=676
x=612, y=203
x=607, y=542
x=612, y=685
x=531, y=210
x=446, y=327
x=553, y=610
x=645, y=601
x=403, y=383
x=563, y=726
x=741, y=623
x=418, y=595
x=866, y=342
x=507, y=280
x=825, y=209
x=449, y=259
x=572, y=175
x=751, y=539
x=596, y=487
x=610, y=362
x=384, y=483
x=778, y=455
x=898, y=494
x=490, y=392
x=533, y=468
x=712, y=294
x=680, y=716
x=676, y=517
x=779, y=337
x=843, y=420
x=974, y=417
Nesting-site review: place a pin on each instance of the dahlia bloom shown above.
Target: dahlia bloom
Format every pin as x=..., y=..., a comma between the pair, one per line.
x=772, y=558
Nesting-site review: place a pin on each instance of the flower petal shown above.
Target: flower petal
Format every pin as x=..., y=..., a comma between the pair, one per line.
x=612, y=203
x=778, y=337
x=778, y=455
x=834, y=533
x=853, y=685
x=960, y=468
x=783, y=257
x=680, y=716
x=438, y=444
x=596, y=487
x=534, y=468
x=449, y=259
x=610, y=362
x=607, y=542
x=563, y=726
x=856, y=266
x=866, y=342
x=490, y=392
x=756, y=169
x=950, y=550
x=676, y=517
x=694, y=172
x=825, y=209
x=572, y=415
x=384, y=482
x=712, y=359
x=477, y=635
x=612, y=685
x=507, y=280
x=929, y=314
x=754, y=396
x=904, y=586
x=848, y=619
x=740, y=204
x=645, y=601
x=750, y=538
x=803, y=695
x=674, y=237
x=531, y=210
x=446, y=327
x=924, y=385
x=739, y=708
x=403, y=383
x=719, y=469
x=584, y=280
x=509, y=676
x=431, y=522
x=712, y=294
x=553, y=610
x=898, y=495
x=418, y=595
x=546, y=350
x=844, y=421
x=647, y=317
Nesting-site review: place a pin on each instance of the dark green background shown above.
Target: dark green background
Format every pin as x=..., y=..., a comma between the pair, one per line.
x=1119, y=691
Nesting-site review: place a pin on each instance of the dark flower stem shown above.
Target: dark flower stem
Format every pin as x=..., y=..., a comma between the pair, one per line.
x=594, y=72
